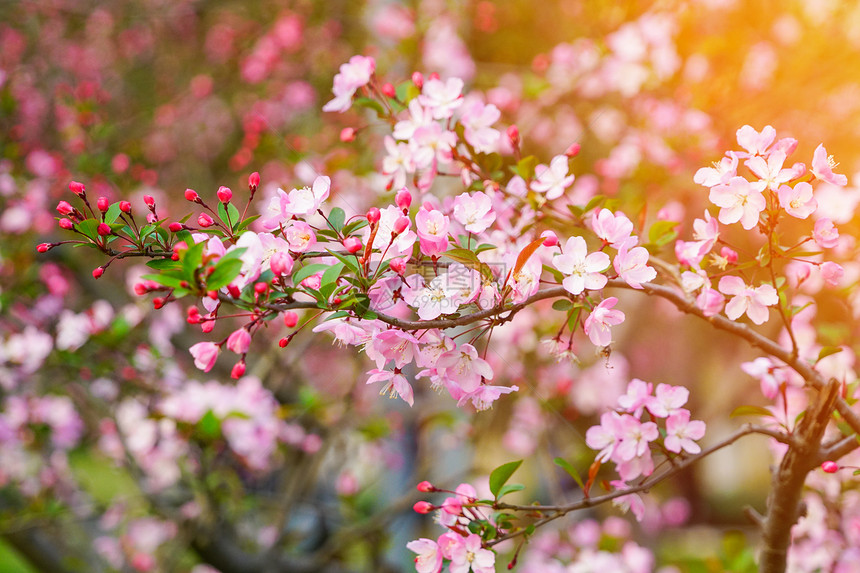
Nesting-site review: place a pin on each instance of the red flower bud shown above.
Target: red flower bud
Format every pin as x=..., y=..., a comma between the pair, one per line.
x=261, y=287
x=425, y=486
x=830, y=467
x=434, y=76
x=423, y=507
x=238, y=370
x=125, y=206
x=66, y=224
x=418, y=80
x=401, y=224
x=158, y=302
x=730, y=255
x=65, y=208
x=207, y=326
x=103, y=229
x=347, y=134
x=290, y=319
x=77, y=188
x=205, y=220
x=98, y=272
x=403, y=199
x=224, y=194
x=103, y=204
x=175, y=227
x=193, y=315
x=550, y=239
x=352, y=244
x=140, y=289
x=234, y=290
x=253, y=181
x=44, y=247
x=373, y=216
x=398, y=265
x=388, y=90
x=514, y=135
x=285, y=340
x=149, y=201
x=191, y=195
x=573, y=150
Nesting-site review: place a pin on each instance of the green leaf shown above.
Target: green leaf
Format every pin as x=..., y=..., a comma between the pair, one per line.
x=510, y=488
x=406, y=91
x=168, y=280
x=750, y=411
x=245, y=223
x=162, y=264
x=225, y=271
x=526, y=167
x=828, y=351
x=348, y=260
x=662, y=232
x=329, y=279
x=464, y=256
x=355, y=225
x=336, y=217
x=309, y=270
x=566, y=466
x=191, y=260
x=370, y=104
x=209, y=426
x=112, y=213
x=595, y=201
x=562, y=304
x=88, y=227
x=501, y=475
x=556, y=274
x=484, y=247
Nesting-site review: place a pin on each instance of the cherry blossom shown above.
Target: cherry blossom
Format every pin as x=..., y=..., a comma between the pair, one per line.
x=306, y=201
x=681, y=433
x=583, y=269
x=474, y=212
x=478, y=119
x=798, y=200
x=354, y=74
x=613, y=228
x=739, y=200
x=825, y=234
x=823, y=165
x=598, y=323
x=396, y=385
x=442, y=98
x=754, y=142
x=632, y=266
x=463, y=367
x=429, y=558
x=745, y=299
x=205, y=354
x=552, y=180
x=432, y=227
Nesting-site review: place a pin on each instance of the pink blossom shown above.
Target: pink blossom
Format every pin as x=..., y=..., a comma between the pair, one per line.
x=601, y=318
x=483, y=397
x=300, y=236
x=745, y=299
x=606, y=436
x=770, y=376
x=635, y=437
x=474, y=212
x=441, y=296
x=739, y=200
x=397, y=384
x=463, y=367
x=754, y=142
x=637, y=397
x=432, y=227
x=442, y=97
x=825, y=233
x=823, y=165
x=798, y=200
x=681, y=431
x=205, y=354
x=393, y=344
x=429, y=559
x=832, y=273
x=401, y=245
x=354, y=74
x=667, y=400
x=612, y=228
x=632, y=266
x=770, y=171
x=307, y=201
x=720, y=173
x=633, y=501
x=583, y=270
x=469, y=555
x=552, y=180
x=418, y=117
x=239, y=341
x=276, y=211
x=398, y=163
x=477, y=120
x=710, y=302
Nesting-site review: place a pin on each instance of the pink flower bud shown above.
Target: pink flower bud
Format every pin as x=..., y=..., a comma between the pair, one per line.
x=239, y=341
x=149, y=201
x=77, y=188
x=261, y=288
x=434, y=76
x=205, y=220
x=281, y=263
x=192, y=315
x=285, y=340
x=102, y=204
x=234, y=290
x=66, y=224
x=418, y=80
x=125, y=207
x=103, y=229
x=191, y=195
x=513, y=134
x=238, y=370
x=730, y=255
x=44, y=247
x=224, y=194
x=388, y=90
x=400, y=225
x=398, y=265
x=140, y=289
x=158, y=302
x=403, y=199
x=65, y=208
x=830, y=467
x=347, y=134
x=352, y=244
x=550, y=239
x=151, y=218
x=253, y=181
x=373, y=216
x=425, y=486
x=290, y=319
x=175, y=227
x=573, y=150
x=423, y=507
x=98, y=272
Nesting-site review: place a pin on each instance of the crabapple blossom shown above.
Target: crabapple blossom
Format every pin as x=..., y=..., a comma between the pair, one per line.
x=832, y=273
x=798, y=200
x=553, y=180
x=353, y=75
x=306, y=201
x=597, y=325
x=681, y=431
x=739, y=200
x=477, y=119
x=612, y=228
x=667, y=400
x=429, y=558
x=825, y=234
x=432, y=228
x=632, y=266
x=440, y=296
x=474, y=212
x=770, y=171
x=239, y=341
x=637, y=397
x=754, y=142
x=745, y=299
x=397, y=385
x=583, y=270
x=823, y=165
x=299, y=236
x=463, y=367
x=720, y=173
x=205, y=354
x=469, y=555
x=442, y=98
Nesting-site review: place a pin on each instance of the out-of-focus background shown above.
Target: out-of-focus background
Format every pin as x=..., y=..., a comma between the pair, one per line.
x=149, y=97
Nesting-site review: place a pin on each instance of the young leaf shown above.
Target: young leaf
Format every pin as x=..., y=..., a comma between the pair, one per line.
x=510, y=488
x=225, y=271
x=336, y=217
x=501, y=475
x=307, y=271
x=566, y=466
x=750, y=411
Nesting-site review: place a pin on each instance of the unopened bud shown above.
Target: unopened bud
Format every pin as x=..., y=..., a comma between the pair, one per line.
x=398, y=265
x=403, y=199
x=373, y=216
x=401, y=224
x=830, y=467
x=207, y=326
x=175, y=227
x=102, y=204
x=149, y=201
x=77, y=188
x=730, y=255
x=66, y=224
x=388, y=90
x=204, y=220
x=191, y=195
x=238, y=370
x=285, y=340
x=352, y=244
x=550, y=239
x=140, y=289
x=193, y=315
x=224, y=194
x=513, y=135
x=418, y=80
x=347, y=134
x=573, y=150
x=281, y=263
x=234, y=290
x=423, y=507
x=98, y=272
x=434, y=76
x=290, y=319
x=158, y=302
x=125, y=207
x=103, y=229
x=425, y=486
x=261, y=288
x=44, y=247
x=253, y=181
x=65, y=208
